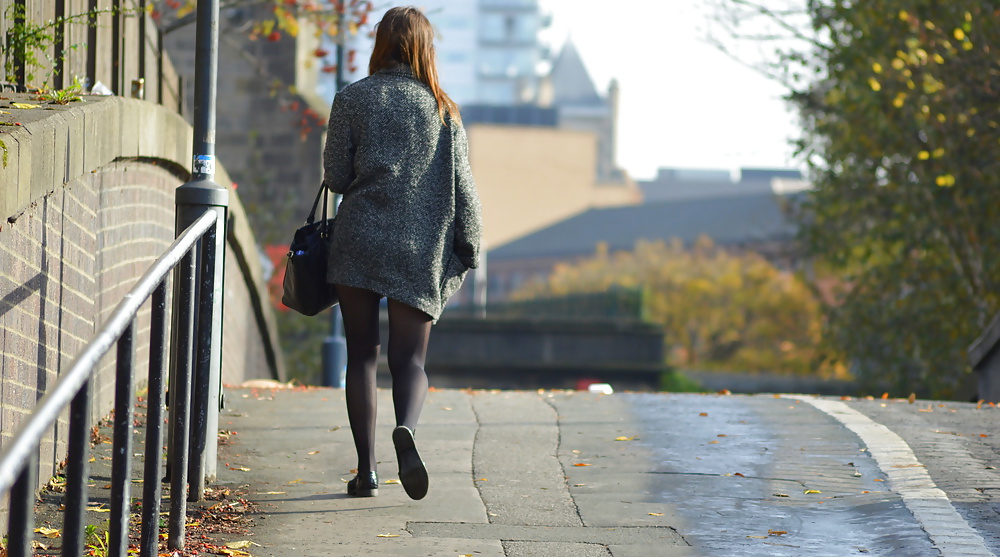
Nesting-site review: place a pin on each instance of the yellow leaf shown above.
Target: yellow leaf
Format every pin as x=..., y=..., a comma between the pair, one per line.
x=184, y=10
x=875, y=85
x=808, y=491
x=877, y=68
x=938, y=153
x=48, y=532
x=391, y=482
x=313, y=452
x=240, y=544
x=23, y=106
x=777, y=532
x=388, y=535
x=655, y=514
x=938, y=58
x=239, y=468
x=623, y=438
x=959, y=34
x=898, y=64
x=904, y=15
x=232, y=552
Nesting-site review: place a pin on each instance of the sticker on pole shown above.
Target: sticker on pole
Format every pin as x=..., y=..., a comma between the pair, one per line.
x=203, y=164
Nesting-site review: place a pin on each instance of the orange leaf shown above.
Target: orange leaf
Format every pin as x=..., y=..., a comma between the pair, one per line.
x=581, y=464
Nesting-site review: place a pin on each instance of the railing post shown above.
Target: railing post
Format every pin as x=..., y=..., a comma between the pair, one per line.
x=22, y=509
x=77, y=472
x=121, y=463
x=194, y=198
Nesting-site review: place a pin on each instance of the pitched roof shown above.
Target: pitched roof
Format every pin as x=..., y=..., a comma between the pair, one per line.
x=571, y=83
x=728, y=221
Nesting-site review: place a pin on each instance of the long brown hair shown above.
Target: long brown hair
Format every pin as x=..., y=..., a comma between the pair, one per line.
x=405, y=36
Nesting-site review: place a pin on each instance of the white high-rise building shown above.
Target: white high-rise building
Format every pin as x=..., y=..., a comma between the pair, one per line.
x=488, y=51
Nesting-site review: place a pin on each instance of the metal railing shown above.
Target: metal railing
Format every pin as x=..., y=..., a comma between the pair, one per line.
x=194, y=297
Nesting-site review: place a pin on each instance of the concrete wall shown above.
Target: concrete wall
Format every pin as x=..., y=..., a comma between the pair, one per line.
x=87, y=197
x=526, y=353
x=531, y=177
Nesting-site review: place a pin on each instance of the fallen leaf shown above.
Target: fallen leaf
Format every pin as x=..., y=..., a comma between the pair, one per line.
x=296, y=481
x=623, y=438
x=758, y=537
x=239, y=468
x=481, y=480
x=866, y=492
x=777, y=532
x=878, y=480
x=48, y=532
x=722, y=435
x=845, y=397
x=776, y=395
x=713, y=442
x=579, y=485
x=581, y=464
x=724, y=392
x=313, y=452
x=740, y=475
x=703, y=414
x=2, y=112
x=240, y=544
x=912, y=398
x=812, y=491
x=23, y=106
x=780, y=494
x=885, y=396
x=271, y=493
x=388, y=535
x=655, y=514
x=446, y=408
x=391, y=482
x=983, y=435
x=232, y=552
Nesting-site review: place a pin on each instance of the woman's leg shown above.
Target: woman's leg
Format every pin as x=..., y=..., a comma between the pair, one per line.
x=359, y=308
x=409, y=330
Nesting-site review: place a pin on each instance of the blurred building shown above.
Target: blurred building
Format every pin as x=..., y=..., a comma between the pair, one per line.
x=674, y=184
x=758, y=216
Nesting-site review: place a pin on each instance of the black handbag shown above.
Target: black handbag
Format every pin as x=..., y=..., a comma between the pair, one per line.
x=305, y=289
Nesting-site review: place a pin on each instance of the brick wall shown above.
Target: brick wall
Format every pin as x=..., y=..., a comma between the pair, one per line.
x=71, y=248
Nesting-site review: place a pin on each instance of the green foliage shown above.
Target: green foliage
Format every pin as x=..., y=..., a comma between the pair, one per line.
x=97, y=543
x=674, y=381
x=64, y=96
x=900, y=129
x=719, y=310
x=302, y=343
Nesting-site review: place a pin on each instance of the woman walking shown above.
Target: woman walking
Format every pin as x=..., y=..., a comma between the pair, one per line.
x=407, y=229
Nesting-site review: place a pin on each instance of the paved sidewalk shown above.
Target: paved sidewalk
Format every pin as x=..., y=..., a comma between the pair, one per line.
x=569, y=473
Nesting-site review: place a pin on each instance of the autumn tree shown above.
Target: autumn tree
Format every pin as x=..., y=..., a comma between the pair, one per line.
x=719, y=310
x=899, y=103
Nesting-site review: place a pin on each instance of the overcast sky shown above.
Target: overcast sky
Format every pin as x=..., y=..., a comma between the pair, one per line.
x=683, y=103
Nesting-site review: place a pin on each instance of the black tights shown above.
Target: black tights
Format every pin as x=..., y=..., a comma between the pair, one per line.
x=409, y=329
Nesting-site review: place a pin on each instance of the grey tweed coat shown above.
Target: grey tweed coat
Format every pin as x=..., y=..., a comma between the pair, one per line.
x=409, y=224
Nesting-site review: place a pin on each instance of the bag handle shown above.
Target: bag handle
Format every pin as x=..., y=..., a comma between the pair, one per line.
x=322, y=193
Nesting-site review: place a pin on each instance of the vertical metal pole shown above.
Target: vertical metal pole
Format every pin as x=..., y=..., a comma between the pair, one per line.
x=141, y=19
x=152, y=490
x=91, y=44
x=121, y=463
x=21, y=525
x=77, y=472
x=180, y=396
x=202, y=194
x=116, y=47
x=202, y=368
x=58, y=76
x=334, y=355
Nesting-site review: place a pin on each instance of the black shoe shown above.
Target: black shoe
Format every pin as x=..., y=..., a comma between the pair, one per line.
x=412, y=473
x=362, y=486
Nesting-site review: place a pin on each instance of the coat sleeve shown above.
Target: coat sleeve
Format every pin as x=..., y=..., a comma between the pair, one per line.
x=338, y=156
x=468, y=212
